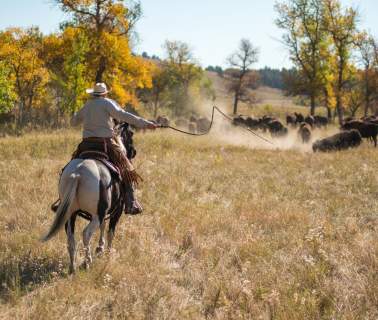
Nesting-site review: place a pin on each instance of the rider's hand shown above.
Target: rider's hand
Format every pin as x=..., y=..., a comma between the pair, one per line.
x=152, y=126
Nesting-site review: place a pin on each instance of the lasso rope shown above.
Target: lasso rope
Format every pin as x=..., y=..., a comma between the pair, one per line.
x=211, y=124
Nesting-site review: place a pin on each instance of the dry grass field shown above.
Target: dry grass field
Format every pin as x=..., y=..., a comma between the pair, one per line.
x=230, y=231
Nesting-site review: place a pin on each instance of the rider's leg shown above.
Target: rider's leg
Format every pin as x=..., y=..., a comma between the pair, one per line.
x=132, y=205
x=129, y=177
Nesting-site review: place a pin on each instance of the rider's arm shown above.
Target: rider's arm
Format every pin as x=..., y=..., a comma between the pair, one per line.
x=117, y=113
x=77, y=118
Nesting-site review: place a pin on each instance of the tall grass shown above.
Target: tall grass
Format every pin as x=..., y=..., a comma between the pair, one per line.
x=228, y=232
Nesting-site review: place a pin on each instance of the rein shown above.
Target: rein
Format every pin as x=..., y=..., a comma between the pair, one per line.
x=211, y=124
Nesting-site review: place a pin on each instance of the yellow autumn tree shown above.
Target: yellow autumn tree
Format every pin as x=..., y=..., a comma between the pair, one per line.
x=65, y=57
x=20, y=52
x=107, y=25
x=341, y=25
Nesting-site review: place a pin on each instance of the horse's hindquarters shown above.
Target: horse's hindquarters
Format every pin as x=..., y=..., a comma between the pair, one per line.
x=87, y=196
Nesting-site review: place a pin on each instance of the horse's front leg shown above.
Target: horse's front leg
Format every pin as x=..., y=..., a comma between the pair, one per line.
x=101, y=242
x=87, y=235
x=71, y=243
x=112, y=225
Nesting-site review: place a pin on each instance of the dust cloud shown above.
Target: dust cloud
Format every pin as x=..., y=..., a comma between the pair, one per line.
x=224, y=131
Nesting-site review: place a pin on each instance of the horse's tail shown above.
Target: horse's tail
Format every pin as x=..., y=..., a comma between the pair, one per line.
x=64, y=211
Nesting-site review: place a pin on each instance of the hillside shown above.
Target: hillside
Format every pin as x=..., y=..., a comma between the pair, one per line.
x=228, y=232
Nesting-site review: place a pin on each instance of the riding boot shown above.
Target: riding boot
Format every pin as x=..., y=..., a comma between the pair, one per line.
x=132, y=205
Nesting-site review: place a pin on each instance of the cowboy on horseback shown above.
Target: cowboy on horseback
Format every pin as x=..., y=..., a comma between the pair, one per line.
x=99, y=139
x=97, y=184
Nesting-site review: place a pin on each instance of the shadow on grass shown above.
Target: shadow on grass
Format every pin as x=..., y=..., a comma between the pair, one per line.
x=22, y=274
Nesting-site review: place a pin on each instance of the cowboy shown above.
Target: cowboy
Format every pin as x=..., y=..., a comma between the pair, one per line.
x=97, y=116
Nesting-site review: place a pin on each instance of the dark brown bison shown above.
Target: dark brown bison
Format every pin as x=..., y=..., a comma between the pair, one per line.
x=366, y=129
x=203, y=124
x=290, y=120
x=253, y=123
x=304, y=132
x=267, y=119
x=340, y=141
x=320, y=121
x=238, y=121
x=299, y=118
x=276, y=128
x=310, y=120
x=163, y=120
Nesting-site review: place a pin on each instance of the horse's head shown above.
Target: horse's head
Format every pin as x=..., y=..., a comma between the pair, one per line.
x=126, y=135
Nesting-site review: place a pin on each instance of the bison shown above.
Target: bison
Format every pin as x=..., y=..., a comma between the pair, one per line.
x=310, y=120
x=276, y=128
x=340, y=141
x=290, y=120
x=299, y=118
x=366, y=129
x=238, y=121
x=203, y=124
x=320, y=121
x=253, y=123
x=163, y=120
x=304, y=132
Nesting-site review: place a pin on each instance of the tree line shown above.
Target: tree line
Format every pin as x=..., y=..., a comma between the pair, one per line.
x=336, y=63
x=43, y=77
x=269, y=77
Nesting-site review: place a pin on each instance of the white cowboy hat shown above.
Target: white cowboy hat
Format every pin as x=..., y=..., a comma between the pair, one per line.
x=98, y=90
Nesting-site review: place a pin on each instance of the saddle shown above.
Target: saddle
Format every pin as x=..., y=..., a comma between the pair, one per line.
x=96, y=149
x=103, y=158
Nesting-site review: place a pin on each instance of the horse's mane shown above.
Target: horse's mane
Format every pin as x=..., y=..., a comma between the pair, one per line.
x=124, y=131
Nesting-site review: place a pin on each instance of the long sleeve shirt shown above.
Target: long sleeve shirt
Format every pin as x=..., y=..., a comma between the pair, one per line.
x=97, y=117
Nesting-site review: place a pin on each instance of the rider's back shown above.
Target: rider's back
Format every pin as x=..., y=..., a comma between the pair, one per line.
x=97, y=116
x=97, y=121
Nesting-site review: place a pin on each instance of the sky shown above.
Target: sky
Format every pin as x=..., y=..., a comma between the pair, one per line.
x=212, y=28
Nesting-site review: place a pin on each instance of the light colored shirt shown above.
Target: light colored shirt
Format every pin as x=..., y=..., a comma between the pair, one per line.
x=97, y=117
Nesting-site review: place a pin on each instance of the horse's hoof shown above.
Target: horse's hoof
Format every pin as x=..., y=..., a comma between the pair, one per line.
x=85, y=265
x=99, y=251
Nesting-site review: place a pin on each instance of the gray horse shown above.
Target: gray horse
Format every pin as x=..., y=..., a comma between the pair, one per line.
x=87, y=189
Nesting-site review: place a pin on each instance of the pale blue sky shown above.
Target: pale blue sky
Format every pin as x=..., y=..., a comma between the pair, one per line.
x=213, y=28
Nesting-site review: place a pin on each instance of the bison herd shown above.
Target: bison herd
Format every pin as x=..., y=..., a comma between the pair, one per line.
x=351, y=132
x=350, y=135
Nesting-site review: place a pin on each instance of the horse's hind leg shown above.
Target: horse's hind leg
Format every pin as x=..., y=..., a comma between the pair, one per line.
x=87, y=235
x=101, y=242
x=71, y=243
